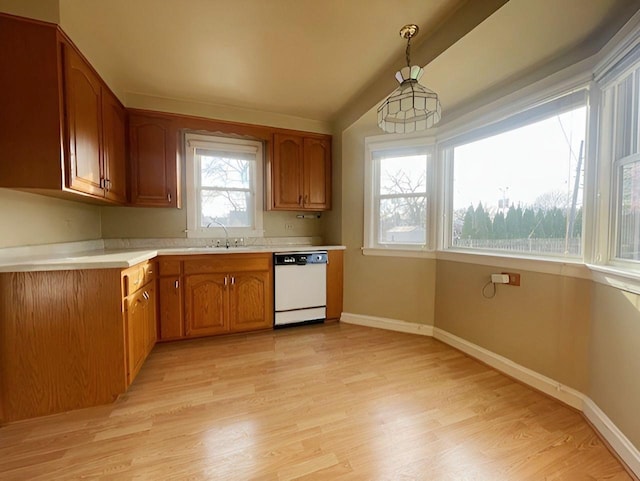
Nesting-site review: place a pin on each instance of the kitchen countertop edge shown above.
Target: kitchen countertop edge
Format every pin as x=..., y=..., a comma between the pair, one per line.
x=122, y=259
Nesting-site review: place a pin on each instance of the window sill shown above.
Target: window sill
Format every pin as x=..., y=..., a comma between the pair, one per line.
x=626, y=280
x=545, y=265
x=395, y=252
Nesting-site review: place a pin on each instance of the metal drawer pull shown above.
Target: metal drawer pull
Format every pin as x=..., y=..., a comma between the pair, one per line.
x=177, y=283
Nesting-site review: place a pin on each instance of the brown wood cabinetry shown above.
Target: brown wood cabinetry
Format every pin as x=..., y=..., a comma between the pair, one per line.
x=114, y=160
x=53, y=125
x=153, y=161
x=206, y=304
x=171, y=303
x=62, y=341
x=228, y=293
x=215, y=294
x=335, y=284
x=300, y=173
x=140, y=315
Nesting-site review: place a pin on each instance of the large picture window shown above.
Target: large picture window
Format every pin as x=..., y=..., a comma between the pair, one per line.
x=624, y=97
x=224, y=178
x=398, y=200
x=518, y=186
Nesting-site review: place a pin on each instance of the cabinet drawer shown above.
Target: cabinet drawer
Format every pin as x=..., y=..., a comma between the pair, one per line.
x=135, y=277
x=224, y=263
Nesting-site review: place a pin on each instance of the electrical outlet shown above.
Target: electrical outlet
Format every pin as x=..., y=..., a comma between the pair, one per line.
x=288, y=227
x=514, y=278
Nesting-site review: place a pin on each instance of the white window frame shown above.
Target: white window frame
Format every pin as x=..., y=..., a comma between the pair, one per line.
x=576, y=94
x=621, y=57
x=193, y=141
x=371, y=178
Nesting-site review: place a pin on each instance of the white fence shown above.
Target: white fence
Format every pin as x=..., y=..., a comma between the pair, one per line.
x=571, y=247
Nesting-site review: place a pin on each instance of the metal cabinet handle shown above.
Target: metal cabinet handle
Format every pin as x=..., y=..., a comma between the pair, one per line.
x=177, y=283
x=226, y=280
x=233, y=280
x=168, y=196
x=299, y=200
x=145, y=294
x=306, y=198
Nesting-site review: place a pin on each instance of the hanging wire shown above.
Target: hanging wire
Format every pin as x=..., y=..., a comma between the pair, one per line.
x=493, y=294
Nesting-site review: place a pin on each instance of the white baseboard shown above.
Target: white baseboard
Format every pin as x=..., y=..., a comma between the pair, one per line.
x=607, y=429
x=388, y=324
x=532, y=378
x=616, y=439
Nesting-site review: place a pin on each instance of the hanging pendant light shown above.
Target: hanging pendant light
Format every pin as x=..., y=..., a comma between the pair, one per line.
x=411, y=107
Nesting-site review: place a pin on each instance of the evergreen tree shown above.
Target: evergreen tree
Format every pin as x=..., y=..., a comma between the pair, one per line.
x=528, y=223
x=482, y=223
x=499, y=227
x=468, y=232
x=513, y=221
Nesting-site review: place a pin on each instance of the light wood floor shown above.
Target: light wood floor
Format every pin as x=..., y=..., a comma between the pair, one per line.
x=319, y=402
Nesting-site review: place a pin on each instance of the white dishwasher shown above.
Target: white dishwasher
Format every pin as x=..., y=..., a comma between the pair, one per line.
x=300, y=280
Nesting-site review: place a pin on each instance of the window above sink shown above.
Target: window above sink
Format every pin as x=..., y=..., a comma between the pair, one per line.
x=224, y=187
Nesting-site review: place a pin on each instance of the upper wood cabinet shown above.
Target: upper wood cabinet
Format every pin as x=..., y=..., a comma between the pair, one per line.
x=55, y=134
x=53, y=129
x=300, y=173
x=83, y=107
x=153, y=161
x=114, y=122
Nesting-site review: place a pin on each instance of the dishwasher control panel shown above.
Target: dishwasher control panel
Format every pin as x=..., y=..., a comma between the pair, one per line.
x=300, y=258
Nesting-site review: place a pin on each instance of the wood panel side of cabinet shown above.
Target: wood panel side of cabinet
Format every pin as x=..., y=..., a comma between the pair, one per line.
x=251, y=301
x=153, y=161
x=317, y=174
x=114, y=123
x=335, y=284
x=31, y=123
x=83, y=114
x=286, y=172
x=61, y=341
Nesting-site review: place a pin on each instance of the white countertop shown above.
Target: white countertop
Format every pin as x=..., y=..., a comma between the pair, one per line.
x=123, y=258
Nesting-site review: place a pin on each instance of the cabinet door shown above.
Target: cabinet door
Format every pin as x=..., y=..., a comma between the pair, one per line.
x=206, y=305
x=114, y=148
x=136, y=308
x=335, y=285
x=317, y=174
x=151, y=318
x=82, y=93
x=250, y=301
x=171, y=320
x=154, y=162
x=286, y=175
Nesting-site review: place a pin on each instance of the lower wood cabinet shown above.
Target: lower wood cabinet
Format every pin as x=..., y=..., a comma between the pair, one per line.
x=206, y=304
x=335, y=284
x=215, y=294
x=223, y=303
x=141, y=325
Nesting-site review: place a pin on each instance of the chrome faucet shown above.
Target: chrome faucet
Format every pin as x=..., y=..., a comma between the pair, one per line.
x=226, y=232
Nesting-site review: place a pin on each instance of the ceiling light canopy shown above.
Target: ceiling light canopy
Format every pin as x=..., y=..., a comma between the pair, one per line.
x=410, y=107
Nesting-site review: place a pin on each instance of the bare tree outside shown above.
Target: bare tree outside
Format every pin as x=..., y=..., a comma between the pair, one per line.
x=226, y=189
x=403, y=200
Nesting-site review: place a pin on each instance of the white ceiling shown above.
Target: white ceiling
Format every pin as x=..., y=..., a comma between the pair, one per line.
x=310, y=58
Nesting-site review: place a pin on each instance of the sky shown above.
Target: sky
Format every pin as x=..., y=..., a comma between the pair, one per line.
x=525, y=162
